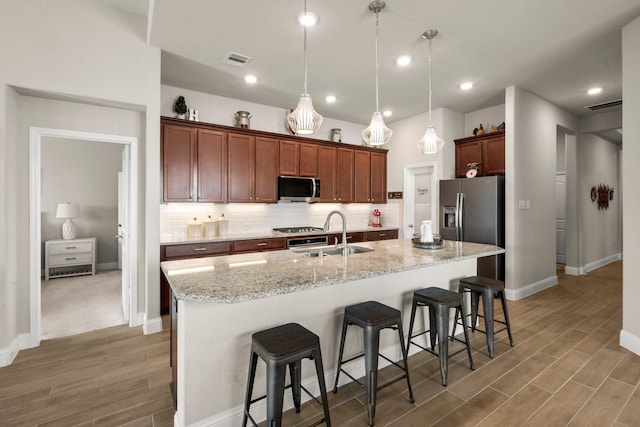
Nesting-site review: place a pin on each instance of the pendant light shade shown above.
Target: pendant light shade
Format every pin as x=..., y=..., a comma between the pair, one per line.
x=304, y=120
x=430, y=143
x=377, y=133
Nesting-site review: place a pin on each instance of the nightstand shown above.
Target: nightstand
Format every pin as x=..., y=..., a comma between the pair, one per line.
x=73, y=257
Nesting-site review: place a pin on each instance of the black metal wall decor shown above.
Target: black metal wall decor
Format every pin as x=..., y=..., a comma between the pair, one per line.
x=602, y=194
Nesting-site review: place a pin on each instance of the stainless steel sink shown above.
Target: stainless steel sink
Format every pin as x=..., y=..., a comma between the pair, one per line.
x=332, y=250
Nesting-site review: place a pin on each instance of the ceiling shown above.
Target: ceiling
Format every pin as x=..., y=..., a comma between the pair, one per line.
x=556, y=49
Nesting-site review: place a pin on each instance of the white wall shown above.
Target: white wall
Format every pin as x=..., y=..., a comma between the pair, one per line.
x=630, y=335
x=87, y=51
x=86, y=173
x=531, y=132
x=600, y=230
x=487, y=116
x=220, y=110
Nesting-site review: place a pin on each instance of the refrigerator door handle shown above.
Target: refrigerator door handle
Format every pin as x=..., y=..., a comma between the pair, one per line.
x=460, y=211
x=457, y=217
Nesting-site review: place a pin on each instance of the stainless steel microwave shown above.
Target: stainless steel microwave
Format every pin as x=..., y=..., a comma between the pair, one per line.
x=298, y=189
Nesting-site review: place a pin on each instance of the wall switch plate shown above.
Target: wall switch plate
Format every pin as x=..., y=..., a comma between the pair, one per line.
x=522, y=204
x=527, y=204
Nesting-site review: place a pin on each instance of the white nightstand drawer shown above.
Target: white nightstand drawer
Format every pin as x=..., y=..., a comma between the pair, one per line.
x=70, y=259
x=70, y=248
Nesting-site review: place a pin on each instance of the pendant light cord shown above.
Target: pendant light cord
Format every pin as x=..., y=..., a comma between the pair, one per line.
x=430, y=82
x=377, y=65
x=305, y=49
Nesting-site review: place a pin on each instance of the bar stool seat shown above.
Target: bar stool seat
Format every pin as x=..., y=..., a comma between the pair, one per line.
x=439, y=301
x=278, y=347
x=488, y=289
x=372, y=317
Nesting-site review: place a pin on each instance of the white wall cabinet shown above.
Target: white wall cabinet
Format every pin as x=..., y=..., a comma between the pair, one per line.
x=72, y=257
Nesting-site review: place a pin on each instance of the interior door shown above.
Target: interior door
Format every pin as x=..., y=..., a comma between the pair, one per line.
x=561, y=218
x=123, y=231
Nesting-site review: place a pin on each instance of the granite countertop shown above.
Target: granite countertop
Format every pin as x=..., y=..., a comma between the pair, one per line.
x=265, y=235
x=237, y=278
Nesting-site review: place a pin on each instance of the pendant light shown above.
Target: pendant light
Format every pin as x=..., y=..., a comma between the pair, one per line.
x=304, y=120
x=430, y=143
x=377, y=133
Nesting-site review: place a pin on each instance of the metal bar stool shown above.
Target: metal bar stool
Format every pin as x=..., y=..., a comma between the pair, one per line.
x=372, y=317
x=487, y=289
x=278, y=347
x=439, y=301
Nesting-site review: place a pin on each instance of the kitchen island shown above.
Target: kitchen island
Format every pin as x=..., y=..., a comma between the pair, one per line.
x=219, y=302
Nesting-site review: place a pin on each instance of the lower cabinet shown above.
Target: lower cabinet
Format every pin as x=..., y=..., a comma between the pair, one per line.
x=381, y=235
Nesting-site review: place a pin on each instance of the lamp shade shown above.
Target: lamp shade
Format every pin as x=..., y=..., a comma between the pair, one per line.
x=68, y=210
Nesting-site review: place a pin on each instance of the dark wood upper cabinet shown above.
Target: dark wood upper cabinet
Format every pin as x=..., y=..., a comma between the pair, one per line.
x=298, y=159
x=378, y=177
x=266, y=169
x=328, y=174
x=309, y=160
x=241, y=167
x=212, y=166
x=203, y=162
x=178, y=163
x=345, y=175
x=289, y=158
x=487, y=150
x=362, y=177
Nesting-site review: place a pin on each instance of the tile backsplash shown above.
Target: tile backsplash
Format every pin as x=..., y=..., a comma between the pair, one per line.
x=247, y=218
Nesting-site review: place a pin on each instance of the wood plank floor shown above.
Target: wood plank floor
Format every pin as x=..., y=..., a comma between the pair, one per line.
x=566, y=369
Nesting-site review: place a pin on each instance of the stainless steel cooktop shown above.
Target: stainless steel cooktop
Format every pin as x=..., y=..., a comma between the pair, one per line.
x=304, y=229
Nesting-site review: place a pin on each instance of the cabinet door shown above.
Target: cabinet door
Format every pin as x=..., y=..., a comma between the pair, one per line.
x=212, y=166
x=289, y=158
x=378, y=178
x=178, y=163
x=345, y=175
x=241, y=167
x=309, y=160
x=327, y=172
x=362, y=176
x=266, y=175
x=469, y=152
x=493, y=156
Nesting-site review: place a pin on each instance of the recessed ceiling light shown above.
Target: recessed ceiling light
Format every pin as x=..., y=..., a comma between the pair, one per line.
x=404, y=60
x=594, y=90
x=387, y=113
x=466, y=85
x=251, y=79
x=330, y=98
x=308, y=20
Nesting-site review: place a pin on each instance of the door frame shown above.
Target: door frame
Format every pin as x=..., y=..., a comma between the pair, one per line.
x=36, y=135
x=409, y=173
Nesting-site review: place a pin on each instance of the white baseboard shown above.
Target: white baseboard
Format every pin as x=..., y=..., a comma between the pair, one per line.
x=573, y=271
x=9, y=353
x=630, y=342
x=601, y=262
x=516, y=294
x=152, y=326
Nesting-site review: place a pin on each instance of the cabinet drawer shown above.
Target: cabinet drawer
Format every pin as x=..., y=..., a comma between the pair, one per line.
x=382, y=235
x=355, y=237
x=196, y=250
x=70, y=259
x=69, y=248
x=259, y=245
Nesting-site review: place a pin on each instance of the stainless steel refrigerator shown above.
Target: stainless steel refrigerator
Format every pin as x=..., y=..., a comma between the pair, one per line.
x=472, y=210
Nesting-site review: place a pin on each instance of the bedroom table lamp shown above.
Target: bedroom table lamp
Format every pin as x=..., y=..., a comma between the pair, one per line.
x=68, y=211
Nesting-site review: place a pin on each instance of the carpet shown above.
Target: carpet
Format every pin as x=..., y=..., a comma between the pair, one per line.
x=73, y=305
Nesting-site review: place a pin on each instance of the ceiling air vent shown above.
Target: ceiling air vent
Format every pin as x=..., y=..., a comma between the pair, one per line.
x=236, y=59
x=604, y=105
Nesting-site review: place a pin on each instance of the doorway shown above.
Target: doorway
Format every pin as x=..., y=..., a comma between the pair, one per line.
x=420, y=198
x=40, y=136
